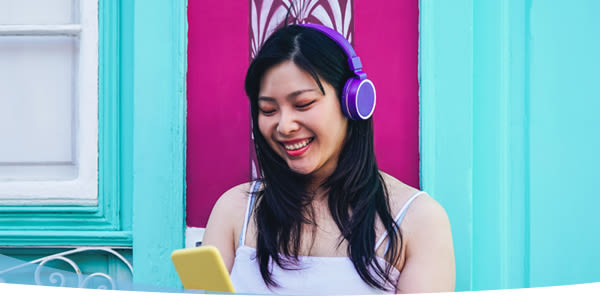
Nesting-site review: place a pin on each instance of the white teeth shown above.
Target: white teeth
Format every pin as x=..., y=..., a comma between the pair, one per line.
x=297, y=145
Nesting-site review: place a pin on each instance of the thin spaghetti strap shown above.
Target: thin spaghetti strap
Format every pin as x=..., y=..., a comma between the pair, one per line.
x=249, y=206
x=399, y=217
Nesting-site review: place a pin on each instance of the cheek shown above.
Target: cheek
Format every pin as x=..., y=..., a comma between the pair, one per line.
x=333, y=121
x=264, y=125
x=338, y=131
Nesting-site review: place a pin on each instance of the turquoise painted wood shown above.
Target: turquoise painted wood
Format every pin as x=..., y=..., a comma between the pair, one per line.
x=446, y=118
x=108, y=223
x=564, y=144
x=34, y=232
x=159, y=116
x=508, y=142
x=142, y=111
x=498, y=122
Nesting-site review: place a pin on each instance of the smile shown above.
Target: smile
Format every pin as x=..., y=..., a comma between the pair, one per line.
x=297, y=145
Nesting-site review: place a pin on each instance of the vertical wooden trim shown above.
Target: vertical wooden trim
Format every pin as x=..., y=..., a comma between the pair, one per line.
x=446, y=119
x=517, y=123
x=499, y=152
x=125, y=80
x=159, y=102
x=109, y=127
x=490, y=182
x=525, y=139
x=474, y=140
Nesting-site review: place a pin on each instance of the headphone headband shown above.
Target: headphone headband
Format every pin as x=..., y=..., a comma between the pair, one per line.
x=358, y=96
x=353, y=59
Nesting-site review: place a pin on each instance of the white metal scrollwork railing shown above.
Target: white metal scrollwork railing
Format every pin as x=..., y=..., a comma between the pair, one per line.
x=57, y=277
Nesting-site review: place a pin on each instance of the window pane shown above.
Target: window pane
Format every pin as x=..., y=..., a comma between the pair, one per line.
x=45, y=12
x=37, y=99
x=37, y=172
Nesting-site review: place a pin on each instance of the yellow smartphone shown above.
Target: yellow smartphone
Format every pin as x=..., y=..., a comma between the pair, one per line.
x=202, y=268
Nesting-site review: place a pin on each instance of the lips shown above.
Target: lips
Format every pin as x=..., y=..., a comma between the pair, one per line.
x=296, y=147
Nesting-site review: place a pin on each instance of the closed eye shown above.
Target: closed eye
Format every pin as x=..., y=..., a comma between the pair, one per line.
x=267, y=112
x=306, y=105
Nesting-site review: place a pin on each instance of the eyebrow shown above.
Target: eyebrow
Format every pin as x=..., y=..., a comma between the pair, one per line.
x=289, y=96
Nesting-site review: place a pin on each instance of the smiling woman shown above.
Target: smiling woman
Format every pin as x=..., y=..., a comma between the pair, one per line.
x=317, y=219
x=300, y=122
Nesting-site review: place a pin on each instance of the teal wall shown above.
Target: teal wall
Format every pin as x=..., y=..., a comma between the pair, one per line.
x=564, y=143
x=508, y=126
x=142, y=116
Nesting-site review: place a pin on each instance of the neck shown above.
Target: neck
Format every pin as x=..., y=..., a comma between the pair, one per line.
x=317, y=179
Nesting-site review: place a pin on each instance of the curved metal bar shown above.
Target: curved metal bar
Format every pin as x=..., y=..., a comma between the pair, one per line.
x=108, y=250
x=53, y=276
x=57, y=277
x=103, y=287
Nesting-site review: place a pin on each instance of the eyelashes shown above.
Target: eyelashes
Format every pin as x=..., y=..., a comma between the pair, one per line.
x=306, y=105
x=303, y=106
x=266, y=112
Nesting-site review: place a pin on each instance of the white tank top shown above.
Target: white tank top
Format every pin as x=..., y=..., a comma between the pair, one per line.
x=315, y=275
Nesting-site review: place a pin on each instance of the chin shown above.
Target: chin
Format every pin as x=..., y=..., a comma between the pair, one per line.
x=301, y=169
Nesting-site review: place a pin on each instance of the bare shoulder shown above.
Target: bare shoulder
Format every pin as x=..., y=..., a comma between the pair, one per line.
x=398, y=192
x=428, y=262
x=230, y=208
x=424, y=212
x=228, y=213
x=426, y=215
x=234, y=198
x=225, y=221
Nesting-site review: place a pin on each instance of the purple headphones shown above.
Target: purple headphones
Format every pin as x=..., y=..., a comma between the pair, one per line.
x=358, y=96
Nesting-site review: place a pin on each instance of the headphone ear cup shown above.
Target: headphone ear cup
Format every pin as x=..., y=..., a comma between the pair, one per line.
x=358, y=99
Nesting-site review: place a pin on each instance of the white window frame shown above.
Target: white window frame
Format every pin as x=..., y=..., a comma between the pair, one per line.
x=82, y=190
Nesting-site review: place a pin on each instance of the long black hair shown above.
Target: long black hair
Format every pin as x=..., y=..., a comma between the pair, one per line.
x=356, y=191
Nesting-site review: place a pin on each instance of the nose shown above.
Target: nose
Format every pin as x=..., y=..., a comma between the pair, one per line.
x=288, y=123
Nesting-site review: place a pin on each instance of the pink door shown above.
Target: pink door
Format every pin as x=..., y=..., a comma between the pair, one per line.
x=222, y=38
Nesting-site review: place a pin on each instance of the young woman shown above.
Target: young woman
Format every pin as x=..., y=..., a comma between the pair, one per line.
x=323, y=219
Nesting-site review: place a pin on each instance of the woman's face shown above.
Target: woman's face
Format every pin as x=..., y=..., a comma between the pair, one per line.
x=305, y=127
